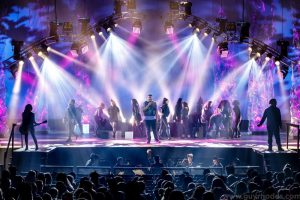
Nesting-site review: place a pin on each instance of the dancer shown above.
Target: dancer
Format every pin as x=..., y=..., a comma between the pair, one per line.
x=227, y=117
x=215, y=121
x=101, y=120
x=79, y=112
x=237, y=118
x=164, y=126
x=27, y=125
x=150, y=114
x=71, y=119
x=114, y=116
x=207, y=112
x=185, y=119
x=137, y=118
x=273, y=116
x=178, y=111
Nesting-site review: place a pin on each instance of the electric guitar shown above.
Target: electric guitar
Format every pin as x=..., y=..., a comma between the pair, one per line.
x=23, y=131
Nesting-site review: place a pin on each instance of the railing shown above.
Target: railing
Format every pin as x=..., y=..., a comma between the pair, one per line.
x=85, y=170
x=287, y=135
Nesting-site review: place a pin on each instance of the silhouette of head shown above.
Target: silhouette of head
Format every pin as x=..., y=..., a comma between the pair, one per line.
x=28, y=108
x=273, y=102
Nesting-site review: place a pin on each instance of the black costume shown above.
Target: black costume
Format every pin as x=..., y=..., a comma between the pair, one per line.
x=273, y=116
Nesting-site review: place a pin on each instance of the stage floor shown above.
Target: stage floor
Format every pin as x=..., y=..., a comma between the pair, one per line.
x=52, y=140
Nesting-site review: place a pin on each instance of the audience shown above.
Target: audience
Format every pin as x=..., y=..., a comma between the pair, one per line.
x=211, y=186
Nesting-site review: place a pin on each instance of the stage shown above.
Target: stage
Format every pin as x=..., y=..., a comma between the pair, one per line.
x=54, y=152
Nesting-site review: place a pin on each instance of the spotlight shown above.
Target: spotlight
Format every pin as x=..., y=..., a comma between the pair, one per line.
x=53, y=31
x=40, y=53
x=131, y=5
x=137, y=26
x=79, y=48
x=268, y=57
x=223, y=49
x=29, y=56
x=277, y=61
x=258, y=54
x=92, y=36
x=109, y=26
x=187, y=7
x=84, y=25
x=17, y=45
x=249, y=49
x=21, y=62
x=169, y=28
x=192, y=24
x=100, y=33
x=207, y=32
x=45, y=48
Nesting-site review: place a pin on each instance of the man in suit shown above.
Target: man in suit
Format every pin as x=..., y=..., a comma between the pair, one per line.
x=273, y=116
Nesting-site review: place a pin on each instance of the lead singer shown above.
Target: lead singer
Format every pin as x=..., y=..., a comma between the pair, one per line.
x=150, y=114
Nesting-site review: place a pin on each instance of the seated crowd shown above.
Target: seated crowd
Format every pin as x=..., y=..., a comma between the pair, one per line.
x=209, y=186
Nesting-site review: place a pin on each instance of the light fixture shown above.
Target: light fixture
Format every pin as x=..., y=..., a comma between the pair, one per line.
x=268, y=57
x=137, y=26
x=169, y=28
x=131, y=5
x=187, y=7
x=277, y=61
x=207, y=32
x=78, y=48
x=84, y=25
x=223, y=49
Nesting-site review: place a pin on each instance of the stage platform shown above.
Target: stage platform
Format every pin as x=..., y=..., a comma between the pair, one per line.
x=249, y=150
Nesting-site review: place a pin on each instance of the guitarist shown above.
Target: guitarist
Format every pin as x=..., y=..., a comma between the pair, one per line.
x=28, y=123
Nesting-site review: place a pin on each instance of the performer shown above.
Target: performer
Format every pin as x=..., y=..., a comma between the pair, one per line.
x=215, y=121
x=227, y=117
x=137, y=118
x=237, y=119
x=79, y=112
x=273, y=116
x=164, y=126
x=207, y=112
x=101, y=119
x=27, y=125
x=185, y=118
x=178, y=111
x=150, y=114
x=114, y=115
x=71, y=118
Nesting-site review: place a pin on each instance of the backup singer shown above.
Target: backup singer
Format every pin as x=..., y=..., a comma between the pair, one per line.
x=27, y=125
x=237, y=118
x=150, y=114
x=207, y=112
x=71, y=118
x=114, y=115
x=164, y=126
x=137, y=118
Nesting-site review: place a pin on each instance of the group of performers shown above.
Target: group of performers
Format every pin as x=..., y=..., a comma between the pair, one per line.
x=226, y=116
x=155, y=119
